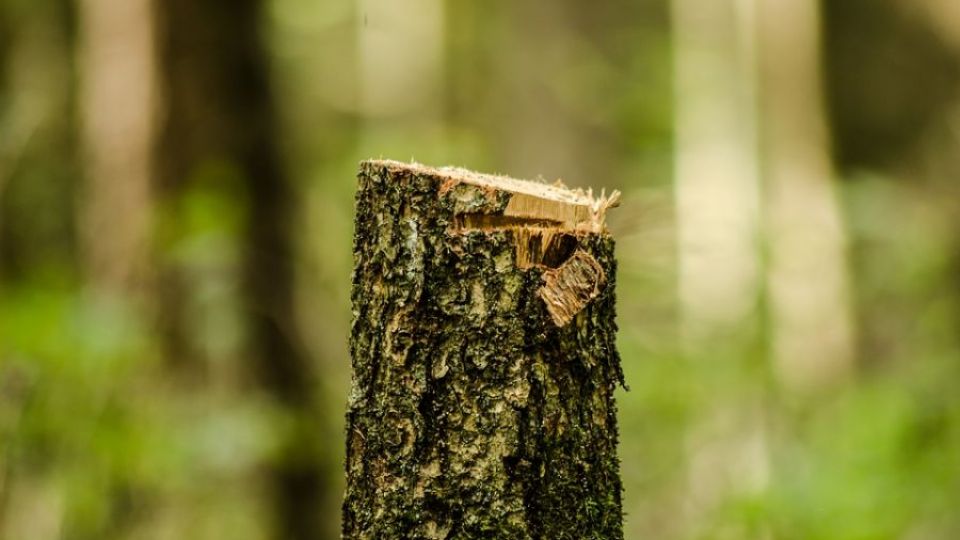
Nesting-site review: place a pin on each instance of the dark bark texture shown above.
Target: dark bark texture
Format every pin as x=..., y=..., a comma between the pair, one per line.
x=473, y=412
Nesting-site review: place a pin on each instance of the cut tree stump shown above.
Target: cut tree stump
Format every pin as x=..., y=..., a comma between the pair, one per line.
x=484, y=360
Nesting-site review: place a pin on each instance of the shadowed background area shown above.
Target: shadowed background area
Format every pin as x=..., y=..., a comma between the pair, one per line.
x=176, y=206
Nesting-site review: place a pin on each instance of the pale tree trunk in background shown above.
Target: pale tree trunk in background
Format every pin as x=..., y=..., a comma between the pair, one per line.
x=536, y=137
x=718, y=214
x=400, y=56
x=807, y=276
x=115, y=64
x=116, y=105
x=538, y=62
x=716, y=164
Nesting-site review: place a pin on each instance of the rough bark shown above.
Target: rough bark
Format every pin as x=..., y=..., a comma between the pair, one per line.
x=484, y=360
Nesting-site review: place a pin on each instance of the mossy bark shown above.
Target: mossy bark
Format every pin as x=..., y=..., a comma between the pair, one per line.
x=473, y=412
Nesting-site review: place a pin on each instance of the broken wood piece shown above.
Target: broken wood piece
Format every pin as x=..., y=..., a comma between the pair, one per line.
x=569, y=288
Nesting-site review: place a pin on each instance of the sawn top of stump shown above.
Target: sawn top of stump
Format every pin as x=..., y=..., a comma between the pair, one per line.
x=537, y=200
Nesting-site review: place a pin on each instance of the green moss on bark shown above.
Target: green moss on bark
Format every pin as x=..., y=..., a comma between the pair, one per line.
x=471, y=413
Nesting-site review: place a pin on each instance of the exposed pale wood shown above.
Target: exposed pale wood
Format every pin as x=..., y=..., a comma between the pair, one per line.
x=570, y=209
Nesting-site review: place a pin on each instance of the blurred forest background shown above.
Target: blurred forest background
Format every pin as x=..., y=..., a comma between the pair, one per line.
x=176, y=184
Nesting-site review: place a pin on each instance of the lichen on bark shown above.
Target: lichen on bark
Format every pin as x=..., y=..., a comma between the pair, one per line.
x=474, y=412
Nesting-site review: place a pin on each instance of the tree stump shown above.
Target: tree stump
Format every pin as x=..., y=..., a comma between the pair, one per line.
x=484, y=360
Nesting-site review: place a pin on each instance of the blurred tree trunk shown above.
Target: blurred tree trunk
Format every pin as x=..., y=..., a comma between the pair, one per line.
x=218, y=109
x=38, y=169
x=6, y=32
x=533, y=132
x=400, y=48
x=807, y=275
x=116, y=105
x=717, y=183
x=38, y=179
x=544, y=55
x=898, y=131
x=718, y=211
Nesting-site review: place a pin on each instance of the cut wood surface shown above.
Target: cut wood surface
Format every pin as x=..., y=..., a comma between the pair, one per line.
x=484, y=359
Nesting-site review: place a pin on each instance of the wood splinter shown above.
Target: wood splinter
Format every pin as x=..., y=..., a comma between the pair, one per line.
x=569, y=288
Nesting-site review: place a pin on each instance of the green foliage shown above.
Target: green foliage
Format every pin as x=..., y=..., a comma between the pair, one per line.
x=101, y=438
